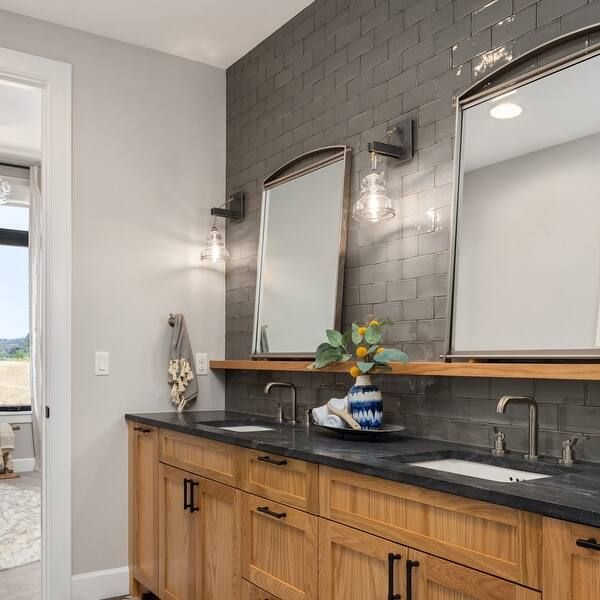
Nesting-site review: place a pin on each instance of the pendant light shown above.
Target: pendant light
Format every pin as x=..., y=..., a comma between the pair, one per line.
x=215, y=249
x=374, y=205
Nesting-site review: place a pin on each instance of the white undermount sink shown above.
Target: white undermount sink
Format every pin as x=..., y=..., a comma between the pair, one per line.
x=479, y=470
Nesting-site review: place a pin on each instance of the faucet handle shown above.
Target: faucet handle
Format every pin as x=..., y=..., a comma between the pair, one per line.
x=499, y=448
x=568, y=452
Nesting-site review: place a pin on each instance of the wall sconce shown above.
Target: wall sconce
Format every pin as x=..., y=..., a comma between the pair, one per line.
x=374, y=205
x=215, y=249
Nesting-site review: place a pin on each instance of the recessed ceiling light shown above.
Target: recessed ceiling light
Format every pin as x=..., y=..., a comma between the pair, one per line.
x=506, y=110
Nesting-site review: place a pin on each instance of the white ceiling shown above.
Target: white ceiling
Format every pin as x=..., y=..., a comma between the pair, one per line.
x=20, y=124
x=556, y=109
x=215, y=32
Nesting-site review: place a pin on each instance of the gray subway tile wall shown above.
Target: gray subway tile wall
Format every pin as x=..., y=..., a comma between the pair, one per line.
x=342, y=72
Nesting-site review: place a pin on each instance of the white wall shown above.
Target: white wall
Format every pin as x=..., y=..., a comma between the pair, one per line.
x=148, y=162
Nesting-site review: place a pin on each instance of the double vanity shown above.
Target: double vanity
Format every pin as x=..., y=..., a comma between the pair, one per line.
x=253, y=509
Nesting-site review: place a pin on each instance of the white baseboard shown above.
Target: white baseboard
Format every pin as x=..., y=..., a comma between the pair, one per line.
x=99, y=585
x=23, y=465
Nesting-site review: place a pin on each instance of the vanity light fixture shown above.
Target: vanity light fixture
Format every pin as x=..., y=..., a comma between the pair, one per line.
x=215, y=249
x=5, y=190
x=374, y=205
x=506, y=110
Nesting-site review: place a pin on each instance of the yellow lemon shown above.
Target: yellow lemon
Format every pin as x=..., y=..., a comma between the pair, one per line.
x=361, y=352
x=374, y=323
x=355, y=371
x=362, y=330
x=379, y=350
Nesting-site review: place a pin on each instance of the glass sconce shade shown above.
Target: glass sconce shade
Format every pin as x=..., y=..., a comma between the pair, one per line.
x=373, y=205
x=215, y=249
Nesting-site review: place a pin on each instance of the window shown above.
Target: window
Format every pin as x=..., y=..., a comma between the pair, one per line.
x=15, y=393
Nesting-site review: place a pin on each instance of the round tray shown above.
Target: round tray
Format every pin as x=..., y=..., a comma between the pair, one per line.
x=364, y=434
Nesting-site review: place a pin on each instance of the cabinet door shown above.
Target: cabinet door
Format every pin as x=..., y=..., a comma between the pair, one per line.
x=571, y=561
x=143, y=506
x=217, y=526
x=279, y=548
x=358, y=566
x=432, y=578
x=176, y=537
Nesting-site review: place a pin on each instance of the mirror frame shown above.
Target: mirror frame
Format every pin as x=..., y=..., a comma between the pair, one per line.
x=316, y=159
x=482, y=91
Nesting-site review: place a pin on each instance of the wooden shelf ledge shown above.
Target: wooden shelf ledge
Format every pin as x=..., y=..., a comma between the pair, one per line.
x=580, y=371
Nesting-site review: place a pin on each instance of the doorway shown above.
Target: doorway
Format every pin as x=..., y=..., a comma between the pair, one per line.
x=35, y=331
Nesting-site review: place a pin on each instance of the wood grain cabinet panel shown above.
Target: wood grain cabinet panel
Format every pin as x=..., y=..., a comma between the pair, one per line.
x=279, y=548
x=176, y=537
x=437, y=579
x=357, y=566
x=498, y=540
x=143, y=507
x=252, y=592
x=201, y=456
x=571, y=561
x=292, y=482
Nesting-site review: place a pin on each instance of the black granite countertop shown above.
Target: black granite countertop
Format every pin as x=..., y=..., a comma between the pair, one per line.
x=572, y=493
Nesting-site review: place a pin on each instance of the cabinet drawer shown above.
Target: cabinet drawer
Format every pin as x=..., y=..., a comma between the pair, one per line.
x=251, y=592
x=279, y=548
x=432, y=577
x=495, y=539
x=197, y=455
x=293, y=482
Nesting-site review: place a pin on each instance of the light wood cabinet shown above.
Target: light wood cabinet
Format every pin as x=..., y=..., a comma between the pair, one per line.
x=571, y=561
x=287, y=480
x=200, y=456
x=279, y=548
x=251, y=592
x=432, y=578
x=357, y=566
x=199, y=538
x=495, y=539
x=143, y=507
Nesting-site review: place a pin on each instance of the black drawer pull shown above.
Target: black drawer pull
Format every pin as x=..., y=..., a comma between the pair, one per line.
x=193, y=486
x=186, y=487
x=265, y=510
x=392, y=558
x=272, y=461
x=590, y=544
x=410, y=565
x=142, y=429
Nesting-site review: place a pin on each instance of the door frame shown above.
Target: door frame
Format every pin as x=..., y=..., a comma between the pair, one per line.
x=54, y=292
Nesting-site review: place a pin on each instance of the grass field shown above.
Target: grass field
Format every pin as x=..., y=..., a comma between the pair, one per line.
x=14, y=382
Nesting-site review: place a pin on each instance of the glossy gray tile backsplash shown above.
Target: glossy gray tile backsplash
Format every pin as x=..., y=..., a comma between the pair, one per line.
x=342, y=71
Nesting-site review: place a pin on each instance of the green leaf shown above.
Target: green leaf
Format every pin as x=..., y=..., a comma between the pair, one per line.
x=323, y=346
x=327, y=356
x=391, y=354
x=373, y=348
x=382, y=368
x=373, y=334
x=384, y=321
x=346, y=341
x=357, y=338
x=334, y=337
x=365, y=367
x=345, y=358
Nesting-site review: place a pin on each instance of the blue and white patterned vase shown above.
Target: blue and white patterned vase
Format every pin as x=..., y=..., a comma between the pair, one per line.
x=365, y=403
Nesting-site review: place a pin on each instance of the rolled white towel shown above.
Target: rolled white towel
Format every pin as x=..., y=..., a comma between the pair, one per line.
x=320, y=414
x=334, y=421
x=339, y=403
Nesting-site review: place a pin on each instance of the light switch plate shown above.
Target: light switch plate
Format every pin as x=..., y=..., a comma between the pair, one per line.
x=201, y=363
x=102, y=363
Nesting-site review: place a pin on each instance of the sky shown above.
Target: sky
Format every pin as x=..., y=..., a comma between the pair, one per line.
x=14, y=278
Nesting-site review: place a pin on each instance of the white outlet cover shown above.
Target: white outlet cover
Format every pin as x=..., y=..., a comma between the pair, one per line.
x=201, y=363
x=102, y=363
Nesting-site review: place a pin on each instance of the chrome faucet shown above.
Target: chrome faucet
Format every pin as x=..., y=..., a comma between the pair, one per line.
x=292, y=389
x=533, y=420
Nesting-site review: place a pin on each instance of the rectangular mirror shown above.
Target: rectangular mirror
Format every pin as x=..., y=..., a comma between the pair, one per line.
x=527, y=238
x=301, y=255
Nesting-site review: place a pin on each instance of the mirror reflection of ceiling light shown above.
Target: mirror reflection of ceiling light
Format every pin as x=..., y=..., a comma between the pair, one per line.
x=506, y=110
